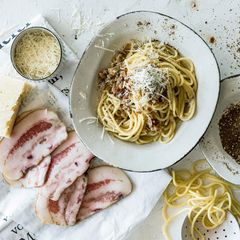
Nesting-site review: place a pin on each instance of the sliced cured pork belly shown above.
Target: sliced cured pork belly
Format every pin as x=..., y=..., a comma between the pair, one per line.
x=106, y=185
x=42, y=209
x=75, y=200
x=57, y=208
x=34, y=177
x=69, y=161
x=59, y=199
x=64, y=211
x=34, y=137
x=37, y=175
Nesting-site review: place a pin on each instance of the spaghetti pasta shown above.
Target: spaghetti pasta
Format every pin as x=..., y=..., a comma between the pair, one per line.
x=146, y=91
x=206, y=197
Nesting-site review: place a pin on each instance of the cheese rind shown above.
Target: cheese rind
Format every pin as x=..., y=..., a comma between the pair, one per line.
x=12, y=92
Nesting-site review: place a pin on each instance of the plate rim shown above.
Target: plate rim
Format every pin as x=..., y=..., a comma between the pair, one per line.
x=88, y=46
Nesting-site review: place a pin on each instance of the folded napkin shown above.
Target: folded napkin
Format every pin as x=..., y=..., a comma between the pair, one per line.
x=17, y=218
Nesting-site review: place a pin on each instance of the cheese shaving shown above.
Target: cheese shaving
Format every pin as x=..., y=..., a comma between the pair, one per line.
x=88, y=118
x=103, y=48
x=90, y=122
x=150, y=81
x=110, y=139
x=103, y=133
x=83, y=95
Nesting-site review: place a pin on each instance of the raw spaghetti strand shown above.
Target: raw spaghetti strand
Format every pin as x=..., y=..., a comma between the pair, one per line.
x=146, y=91
x=206, y=196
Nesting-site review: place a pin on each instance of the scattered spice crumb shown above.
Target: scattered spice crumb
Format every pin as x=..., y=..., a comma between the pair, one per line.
x=212, y=40
x=234, y=49
x=234, y=172
x=169, y=28
x=206, y=22
x=194, y=5
x=142, y=24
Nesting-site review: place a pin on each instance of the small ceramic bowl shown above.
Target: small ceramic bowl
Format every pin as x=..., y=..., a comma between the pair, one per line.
x=211, y=145
x=15, y=42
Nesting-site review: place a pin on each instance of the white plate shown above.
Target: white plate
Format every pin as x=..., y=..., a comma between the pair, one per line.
x=211, y=145
x=152, y=156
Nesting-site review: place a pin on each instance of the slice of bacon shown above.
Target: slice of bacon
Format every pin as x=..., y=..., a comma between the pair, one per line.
x=42, y=209
x=75, y=200
x=34, y=137
x=106, y=185
x=69, y=161
x=34, y=177
x=64, y=211
x=57, y=208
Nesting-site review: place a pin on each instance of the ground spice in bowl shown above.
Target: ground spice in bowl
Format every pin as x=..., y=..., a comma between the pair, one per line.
x=229, y=130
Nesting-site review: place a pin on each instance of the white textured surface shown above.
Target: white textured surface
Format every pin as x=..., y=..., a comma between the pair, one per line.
x=217, y=18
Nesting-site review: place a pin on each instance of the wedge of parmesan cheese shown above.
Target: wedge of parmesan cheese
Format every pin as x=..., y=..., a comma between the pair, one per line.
x=12, y=92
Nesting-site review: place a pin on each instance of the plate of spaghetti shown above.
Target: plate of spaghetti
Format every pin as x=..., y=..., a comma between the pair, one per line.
x=144, y=92
x=147, y=90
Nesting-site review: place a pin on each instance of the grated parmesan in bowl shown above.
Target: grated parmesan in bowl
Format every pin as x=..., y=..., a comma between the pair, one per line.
x=36, y=53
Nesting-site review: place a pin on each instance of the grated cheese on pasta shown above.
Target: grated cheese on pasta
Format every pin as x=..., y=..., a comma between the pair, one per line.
x=149, y=80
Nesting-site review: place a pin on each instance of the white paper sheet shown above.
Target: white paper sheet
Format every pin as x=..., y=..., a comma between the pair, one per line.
x=18, y=220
